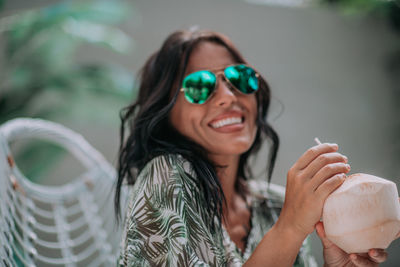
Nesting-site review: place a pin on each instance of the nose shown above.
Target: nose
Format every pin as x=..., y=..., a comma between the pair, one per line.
x=224, y=96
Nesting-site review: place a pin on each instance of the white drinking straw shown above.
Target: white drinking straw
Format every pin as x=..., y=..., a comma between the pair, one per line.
x=317, y=140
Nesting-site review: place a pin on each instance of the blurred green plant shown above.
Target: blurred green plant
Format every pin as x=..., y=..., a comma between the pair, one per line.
x=41, y=74
x=386, y=9
x=389, y=9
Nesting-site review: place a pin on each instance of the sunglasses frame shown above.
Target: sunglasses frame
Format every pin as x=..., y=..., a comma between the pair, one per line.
x=217, y=73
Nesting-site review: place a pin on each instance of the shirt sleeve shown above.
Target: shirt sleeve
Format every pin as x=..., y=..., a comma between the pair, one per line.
x=274, y=196
x=305, y=258
x=161, y=225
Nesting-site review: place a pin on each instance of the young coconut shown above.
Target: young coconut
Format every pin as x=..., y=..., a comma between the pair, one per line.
x=363, y=213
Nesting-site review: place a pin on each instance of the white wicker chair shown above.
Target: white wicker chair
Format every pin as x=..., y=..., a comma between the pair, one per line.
x=68, y=225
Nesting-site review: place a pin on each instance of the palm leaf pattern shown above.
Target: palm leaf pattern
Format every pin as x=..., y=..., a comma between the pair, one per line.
x=166, y=221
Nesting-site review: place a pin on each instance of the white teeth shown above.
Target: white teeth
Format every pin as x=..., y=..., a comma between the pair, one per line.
x=227, y=121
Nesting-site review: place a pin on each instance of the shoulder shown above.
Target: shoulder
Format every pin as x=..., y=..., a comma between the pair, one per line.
x=167, y=163
x=164, y=179
x=165, y=169
x=164, y=225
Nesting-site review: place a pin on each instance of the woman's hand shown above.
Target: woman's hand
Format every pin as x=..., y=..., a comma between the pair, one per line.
x=317, y=173
x=336, y=257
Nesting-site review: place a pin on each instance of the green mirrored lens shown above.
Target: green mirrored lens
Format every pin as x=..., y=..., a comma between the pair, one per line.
x=198, y=86
x=243, y=78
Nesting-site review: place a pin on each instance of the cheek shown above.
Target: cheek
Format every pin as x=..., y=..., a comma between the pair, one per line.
x=176, y=116
x=253, y=108
x=254, y=113
x=184, y=117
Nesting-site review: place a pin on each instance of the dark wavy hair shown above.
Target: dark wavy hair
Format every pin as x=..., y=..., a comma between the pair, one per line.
x=151, y=133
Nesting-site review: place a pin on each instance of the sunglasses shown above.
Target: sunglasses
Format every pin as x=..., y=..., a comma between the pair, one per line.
x=200, y=85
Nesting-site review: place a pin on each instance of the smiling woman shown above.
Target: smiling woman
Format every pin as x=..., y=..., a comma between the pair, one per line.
x=201, y=112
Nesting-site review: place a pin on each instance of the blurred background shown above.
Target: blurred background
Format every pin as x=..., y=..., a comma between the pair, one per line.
x=333, y=66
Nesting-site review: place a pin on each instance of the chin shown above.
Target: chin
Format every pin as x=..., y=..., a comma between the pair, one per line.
x=235, y=148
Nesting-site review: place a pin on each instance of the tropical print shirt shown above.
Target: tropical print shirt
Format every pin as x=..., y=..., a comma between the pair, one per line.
x=166, y=221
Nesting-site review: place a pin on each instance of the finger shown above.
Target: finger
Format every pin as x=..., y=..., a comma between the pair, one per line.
x=327, y=172
x=377, y=255
x=321, y=161
x=312, y=153
x=329, y=185
x=326, y=243
x=359, y=261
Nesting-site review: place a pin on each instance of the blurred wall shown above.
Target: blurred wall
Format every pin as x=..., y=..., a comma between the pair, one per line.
x=328, y=73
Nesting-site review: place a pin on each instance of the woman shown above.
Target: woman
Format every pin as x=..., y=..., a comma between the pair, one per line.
x=200, y=113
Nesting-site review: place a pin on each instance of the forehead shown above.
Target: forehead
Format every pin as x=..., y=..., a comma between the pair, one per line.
x=209, y=56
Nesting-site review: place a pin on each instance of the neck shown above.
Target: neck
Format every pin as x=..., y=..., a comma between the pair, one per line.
x=227, y=176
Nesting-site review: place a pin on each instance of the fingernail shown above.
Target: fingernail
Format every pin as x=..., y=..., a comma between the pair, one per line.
x=348, y=167
x=353, y=256
x=346, y=158
x=374, y=253
x=334, y=145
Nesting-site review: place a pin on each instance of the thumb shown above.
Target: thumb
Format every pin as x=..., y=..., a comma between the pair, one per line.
x=361, y=261
x=321, y=234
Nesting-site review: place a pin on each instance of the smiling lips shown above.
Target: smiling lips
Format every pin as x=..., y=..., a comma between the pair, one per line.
x=228, y=122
